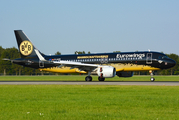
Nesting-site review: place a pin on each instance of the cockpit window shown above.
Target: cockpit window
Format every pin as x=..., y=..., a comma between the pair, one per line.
x=165, y=57
x=162, y=57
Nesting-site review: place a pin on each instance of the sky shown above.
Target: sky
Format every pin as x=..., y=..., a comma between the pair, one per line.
x=98, y=26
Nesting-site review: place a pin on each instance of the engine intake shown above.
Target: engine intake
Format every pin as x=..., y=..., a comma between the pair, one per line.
x=106, y=71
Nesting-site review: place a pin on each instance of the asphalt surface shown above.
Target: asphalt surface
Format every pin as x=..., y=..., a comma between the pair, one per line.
x=156, y=83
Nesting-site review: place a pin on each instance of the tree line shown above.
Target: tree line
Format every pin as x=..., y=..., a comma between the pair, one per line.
x=8, y=68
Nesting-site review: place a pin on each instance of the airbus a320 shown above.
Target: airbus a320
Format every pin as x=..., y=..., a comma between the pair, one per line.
x=105, y=65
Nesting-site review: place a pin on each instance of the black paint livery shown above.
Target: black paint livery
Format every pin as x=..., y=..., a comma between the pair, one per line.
x=103, y=64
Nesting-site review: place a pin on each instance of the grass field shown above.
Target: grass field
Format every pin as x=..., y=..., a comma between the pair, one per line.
x=82, y=78
x=91, y=102
x=78, y=102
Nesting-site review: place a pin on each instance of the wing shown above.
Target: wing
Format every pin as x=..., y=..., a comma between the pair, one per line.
x=79, y=65
x=119, y=69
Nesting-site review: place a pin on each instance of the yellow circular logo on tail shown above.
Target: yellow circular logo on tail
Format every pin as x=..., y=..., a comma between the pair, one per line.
x=26, y=48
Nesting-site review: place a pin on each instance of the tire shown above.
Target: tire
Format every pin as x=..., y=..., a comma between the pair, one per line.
x=152, y=79
x=101, y=79
x=88, y=78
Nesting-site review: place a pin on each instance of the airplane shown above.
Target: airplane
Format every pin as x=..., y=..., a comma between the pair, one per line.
x=105, y=65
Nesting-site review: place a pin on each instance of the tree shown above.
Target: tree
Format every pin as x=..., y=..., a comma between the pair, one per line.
x=58, y=53
x=174, y=57
x=79, y=52
x=1, y=50
x=176, y=72
x=1, y=61
x=116, y=51
x=5, y=65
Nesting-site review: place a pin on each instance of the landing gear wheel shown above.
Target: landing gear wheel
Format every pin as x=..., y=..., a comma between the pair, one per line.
x=88, y=78
x=101, y=79
x=151, y=74
x=152, y=79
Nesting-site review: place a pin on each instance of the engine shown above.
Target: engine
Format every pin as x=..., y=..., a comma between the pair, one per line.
x=106, y=71
x=124, y=74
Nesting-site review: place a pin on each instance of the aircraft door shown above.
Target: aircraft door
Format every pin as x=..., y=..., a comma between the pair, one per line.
x=149, y=58
x=41, y=64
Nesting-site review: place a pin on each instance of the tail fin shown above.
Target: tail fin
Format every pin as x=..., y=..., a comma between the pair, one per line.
x=26, y=48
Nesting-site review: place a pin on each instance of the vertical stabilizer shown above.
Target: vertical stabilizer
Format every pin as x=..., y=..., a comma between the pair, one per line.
x=26, y=48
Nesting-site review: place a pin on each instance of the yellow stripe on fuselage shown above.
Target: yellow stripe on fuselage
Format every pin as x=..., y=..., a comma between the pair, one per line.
x=119, y=67
x=132, y=67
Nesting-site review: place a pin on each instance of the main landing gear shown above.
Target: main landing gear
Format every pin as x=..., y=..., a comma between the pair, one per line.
x=101, y=78
x=88, y=78
x=151, y=74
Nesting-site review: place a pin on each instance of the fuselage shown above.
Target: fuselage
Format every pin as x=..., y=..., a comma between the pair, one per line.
x=105, y=65
x=128, y=61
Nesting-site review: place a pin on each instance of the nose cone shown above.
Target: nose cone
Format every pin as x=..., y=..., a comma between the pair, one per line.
x=173, y=63
x=170, y=63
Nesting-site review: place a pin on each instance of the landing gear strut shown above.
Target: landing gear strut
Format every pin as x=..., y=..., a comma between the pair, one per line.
x=151, y=74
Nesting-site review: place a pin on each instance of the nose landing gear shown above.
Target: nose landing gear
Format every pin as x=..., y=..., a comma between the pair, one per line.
x=152, y=79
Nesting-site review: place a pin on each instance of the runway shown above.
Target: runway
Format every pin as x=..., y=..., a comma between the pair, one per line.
x=156, y=83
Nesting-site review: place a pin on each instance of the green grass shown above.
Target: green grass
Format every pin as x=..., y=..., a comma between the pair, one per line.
x=82, y=78
x=78, y=102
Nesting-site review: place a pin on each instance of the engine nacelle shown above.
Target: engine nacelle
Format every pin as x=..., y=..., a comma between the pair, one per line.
x=124, y=74
x=106, y=71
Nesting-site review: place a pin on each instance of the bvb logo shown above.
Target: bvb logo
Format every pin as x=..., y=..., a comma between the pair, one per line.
x=26, y=48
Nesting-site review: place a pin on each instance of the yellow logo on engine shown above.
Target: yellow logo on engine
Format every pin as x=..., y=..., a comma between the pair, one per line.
x=26, y=48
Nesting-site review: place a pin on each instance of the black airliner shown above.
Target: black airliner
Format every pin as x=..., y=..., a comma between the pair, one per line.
x=105, y=65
